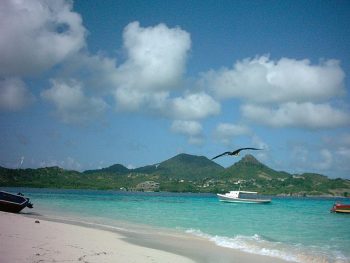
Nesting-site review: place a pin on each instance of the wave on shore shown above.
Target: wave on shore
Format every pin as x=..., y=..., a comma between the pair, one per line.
x=262, y=246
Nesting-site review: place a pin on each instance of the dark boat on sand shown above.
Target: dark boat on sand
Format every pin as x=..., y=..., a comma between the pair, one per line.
x=13, y=203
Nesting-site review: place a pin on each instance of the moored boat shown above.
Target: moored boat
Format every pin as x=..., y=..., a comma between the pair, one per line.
x=13, y=203
x=341, y=208
x=236, y=197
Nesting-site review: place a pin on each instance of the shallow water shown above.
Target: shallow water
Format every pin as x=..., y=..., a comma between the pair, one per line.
x=295, y=229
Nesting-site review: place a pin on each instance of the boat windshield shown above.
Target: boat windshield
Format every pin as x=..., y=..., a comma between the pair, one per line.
x=248, y=195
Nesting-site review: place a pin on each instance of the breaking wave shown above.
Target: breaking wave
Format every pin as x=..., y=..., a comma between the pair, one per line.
x=263, y=246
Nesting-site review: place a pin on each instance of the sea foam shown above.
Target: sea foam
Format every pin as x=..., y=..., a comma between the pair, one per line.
x=258, y=245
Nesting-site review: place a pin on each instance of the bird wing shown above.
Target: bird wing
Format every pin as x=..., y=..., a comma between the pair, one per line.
x=220, y=155
x=241, y=149
x=249, y=148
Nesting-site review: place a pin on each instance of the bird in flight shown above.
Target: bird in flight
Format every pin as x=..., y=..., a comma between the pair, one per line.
x=235, y=152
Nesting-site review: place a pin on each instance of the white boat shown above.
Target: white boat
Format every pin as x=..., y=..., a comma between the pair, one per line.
x=236, y=197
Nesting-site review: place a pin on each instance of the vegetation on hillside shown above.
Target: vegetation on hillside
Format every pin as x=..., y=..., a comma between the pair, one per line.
x=182, y=173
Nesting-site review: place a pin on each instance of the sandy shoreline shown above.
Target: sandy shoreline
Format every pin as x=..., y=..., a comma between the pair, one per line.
x=52, y=240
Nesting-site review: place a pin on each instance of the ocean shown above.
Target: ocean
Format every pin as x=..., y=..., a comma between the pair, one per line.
x=294, y=229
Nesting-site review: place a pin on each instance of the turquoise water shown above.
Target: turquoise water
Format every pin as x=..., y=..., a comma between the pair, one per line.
x=295, y=229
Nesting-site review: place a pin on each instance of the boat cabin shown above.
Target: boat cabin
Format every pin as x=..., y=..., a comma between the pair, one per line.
x=236, y=194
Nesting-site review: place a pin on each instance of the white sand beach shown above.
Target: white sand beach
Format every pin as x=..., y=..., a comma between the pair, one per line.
x=34, y=239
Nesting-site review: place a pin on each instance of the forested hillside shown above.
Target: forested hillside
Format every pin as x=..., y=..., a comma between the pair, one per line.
x=182, y=173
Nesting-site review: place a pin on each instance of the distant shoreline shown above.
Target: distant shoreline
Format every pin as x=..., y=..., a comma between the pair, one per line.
x=11, y=188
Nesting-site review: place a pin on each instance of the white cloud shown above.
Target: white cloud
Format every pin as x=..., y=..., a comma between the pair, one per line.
x=196, y=140
x=154, y=67
x=257, y=142
x=329, y=156
x=263, y=80
x=306, y=158
x=72, y=105
x=227, y=129
x=325, y=161
x=300, y=158
x=305, y=115
x=187, y=127
x=102, y=76
x=225, y=132
x=344, y=151
x=37, y=34
x=283, y=93
x=155, y=64
x=339, y=145
x=194, y=106
x=14, y=95
x=134, y=100
x=260, y=144
x=341, y=140
x=97, y=72
x=191, y=129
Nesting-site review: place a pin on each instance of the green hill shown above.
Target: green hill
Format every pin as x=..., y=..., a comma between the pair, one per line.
x=116, y=168
x=189, y=167
x=182, y=166
x=181, y=173
x=250, y=168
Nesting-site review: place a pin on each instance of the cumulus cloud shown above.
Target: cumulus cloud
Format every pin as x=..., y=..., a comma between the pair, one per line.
x=225, y=132
x=134, y=100
x=307, y=159
x=266, y=81
x=192, y=129
x=97, y=72
x=283, y=93
x=37, y=34
x=194, y=106
x=329, y=156
x=260, y=144
x=340, y=147
x=14, y=94
x=326, y=160
x=72, y=105
x=344, y=152
x=187, y=127
x=292, y=114
x=156, y=60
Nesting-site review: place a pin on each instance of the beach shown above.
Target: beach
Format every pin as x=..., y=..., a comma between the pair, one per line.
x=34, y=238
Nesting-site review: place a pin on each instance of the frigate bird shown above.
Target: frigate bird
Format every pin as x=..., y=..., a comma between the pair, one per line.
x=235, y=152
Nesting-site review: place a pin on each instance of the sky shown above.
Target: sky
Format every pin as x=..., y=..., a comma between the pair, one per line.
x=87, y=84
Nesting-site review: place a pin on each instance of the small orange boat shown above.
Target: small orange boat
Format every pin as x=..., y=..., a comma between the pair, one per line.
x=340, y=208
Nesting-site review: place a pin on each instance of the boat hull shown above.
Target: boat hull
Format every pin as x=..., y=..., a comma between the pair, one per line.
x=12, y=208
x=224, y=198
x=13, y=203
x=341, y=208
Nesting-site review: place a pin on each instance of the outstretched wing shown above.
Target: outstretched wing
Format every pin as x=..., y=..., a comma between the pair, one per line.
x=221, y=155
x=241, y=149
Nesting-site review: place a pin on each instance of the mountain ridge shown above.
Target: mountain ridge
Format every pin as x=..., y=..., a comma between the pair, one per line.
x=179, y=164
x=181, y=173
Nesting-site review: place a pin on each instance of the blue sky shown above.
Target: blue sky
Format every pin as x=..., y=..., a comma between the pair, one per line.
x=87, y=84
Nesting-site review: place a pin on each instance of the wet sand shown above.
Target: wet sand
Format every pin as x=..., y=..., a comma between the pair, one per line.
x=23, y=239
